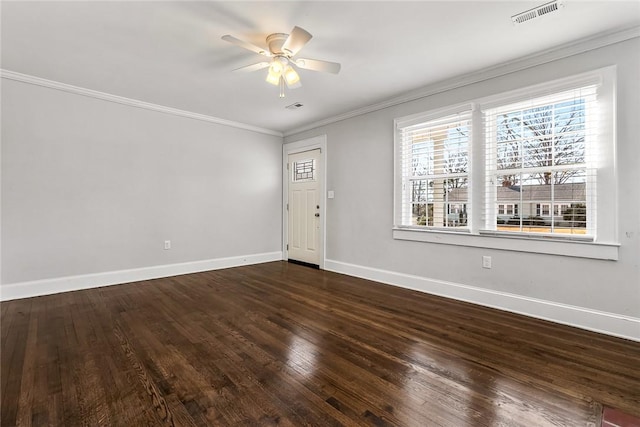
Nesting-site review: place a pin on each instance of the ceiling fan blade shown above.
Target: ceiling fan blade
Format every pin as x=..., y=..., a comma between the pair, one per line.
x=318, y=65
x=296, y=40
x=246, y=45
x=253, y=67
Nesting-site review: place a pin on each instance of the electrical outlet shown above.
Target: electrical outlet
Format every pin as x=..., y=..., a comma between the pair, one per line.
x=167, y=245
x=486, y=262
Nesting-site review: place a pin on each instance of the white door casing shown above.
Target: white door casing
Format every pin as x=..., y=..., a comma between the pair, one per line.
x=304, y=206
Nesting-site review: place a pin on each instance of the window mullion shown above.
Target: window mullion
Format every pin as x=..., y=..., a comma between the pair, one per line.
x=477, y=173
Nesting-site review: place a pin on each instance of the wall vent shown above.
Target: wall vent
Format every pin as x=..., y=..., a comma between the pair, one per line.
x=294, y=106
x=537, y=12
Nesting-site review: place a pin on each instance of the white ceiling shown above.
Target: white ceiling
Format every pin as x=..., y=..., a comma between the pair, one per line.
x=171, y=54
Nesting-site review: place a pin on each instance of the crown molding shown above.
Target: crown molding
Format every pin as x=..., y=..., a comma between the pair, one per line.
x=25, y=78
x=549, y=55
x=559, y=52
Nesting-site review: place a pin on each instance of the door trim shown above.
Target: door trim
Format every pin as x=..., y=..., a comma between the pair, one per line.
x=317, y=142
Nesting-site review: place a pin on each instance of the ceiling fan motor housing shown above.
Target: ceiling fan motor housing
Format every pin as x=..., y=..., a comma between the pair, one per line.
x=275, y=42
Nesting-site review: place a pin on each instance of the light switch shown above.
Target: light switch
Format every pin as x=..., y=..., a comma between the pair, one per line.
x=330, y=194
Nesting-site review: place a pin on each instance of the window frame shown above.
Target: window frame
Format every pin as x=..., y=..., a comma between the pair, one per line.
x=602, y=245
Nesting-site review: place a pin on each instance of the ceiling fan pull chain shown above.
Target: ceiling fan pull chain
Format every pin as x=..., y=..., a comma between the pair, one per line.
x=281, y=87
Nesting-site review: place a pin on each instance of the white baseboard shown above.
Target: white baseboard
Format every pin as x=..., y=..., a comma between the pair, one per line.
x=87, y=281
x=580, y=317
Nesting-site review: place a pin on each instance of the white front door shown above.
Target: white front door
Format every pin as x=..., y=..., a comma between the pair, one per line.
x=304, y=206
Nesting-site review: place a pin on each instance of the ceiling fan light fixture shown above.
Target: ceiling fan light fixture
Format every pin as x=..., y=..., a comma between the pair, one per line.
x=278, y=65
x=273, y=78
x=290, y=76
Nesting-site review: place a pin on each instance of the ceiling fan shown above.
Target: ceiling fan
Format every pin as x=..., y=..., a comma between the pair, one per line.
x=282, y=66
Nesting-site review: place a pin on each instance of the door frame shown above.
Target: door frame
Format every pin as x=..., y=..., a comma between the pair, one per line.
x=317, y=142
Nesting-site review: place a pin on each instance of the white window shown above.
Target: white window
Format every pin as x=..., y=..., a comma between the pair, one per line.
x=560, y=209
x=433, y=154
x=507, y=209
x=543, y=209
x=537, y=163
x=539, y=151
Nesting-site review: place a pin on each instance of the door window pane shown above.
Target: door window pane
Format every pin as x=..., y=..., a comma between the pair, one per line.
x=304, y=170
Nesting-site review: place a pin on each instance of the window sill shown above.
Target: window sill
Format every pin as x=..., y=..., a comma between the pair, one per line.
x=572, y=248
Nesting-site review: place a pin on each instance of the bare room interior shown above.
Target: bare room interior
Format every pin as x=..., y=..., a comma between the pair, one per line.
x=323, y=213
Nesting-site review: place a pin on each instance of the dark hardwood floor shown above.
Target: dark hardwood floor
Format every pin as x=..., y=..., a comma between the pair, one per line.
x=283, y=344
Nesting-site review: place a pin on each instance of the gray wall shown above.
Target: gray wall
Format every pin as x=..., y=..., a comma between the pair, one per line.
x=91, y=186
x=360, y=218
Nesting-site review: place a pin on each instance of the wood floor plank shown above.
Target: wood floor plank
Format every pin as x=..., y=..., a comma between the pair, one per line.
x=282, y=344
x=15, y=336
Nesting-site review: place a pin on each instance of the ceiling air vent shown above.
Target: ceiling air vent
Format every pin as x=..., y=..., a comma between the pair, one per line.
x=537, y=12
x=294, y=106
